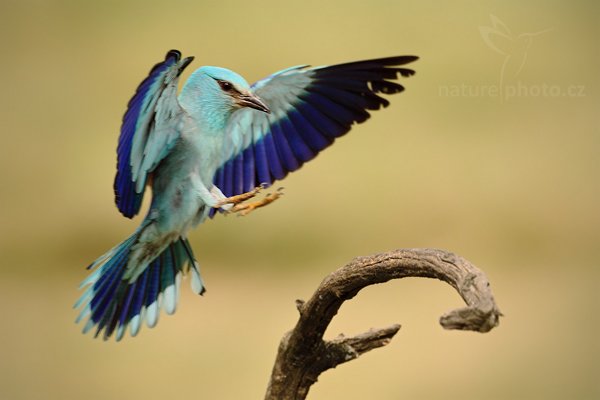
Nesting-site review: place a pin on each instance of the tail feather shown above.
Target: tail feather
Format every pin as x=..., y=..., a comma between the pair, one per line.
x=197, y=284
x=167, y=276
x=113, y=303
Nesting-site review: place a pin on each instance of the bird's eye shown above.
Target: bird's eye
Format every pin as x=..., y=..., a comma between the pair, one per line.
x=225, y=86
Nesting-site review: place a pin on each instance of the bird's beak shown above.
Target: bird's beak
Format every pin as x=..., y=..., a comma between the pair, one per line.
x=252, y=101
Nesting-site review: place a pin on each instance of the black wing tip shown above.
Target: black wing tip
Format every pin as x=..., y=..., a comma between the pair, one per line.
x=409, y=59
x=385, y=62
x=406, y=72
x=183, y=65
x=176, y=55
x=173, y=53
x=395, y=60
x=398, y=60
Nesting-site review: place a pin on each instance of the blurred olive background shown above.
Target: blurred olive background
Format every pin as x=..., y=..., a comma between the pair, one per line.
x=511, y=183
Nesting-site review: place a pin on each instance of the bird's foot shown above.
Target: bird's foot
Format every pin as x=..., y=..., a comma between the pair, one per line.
x=246, y=208
x=235, y=200
x=235, y=204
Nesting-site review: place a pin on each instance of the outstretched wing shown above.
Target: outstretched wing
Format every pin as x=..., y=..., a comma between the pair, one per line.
x=310, y=108
x=150, y=129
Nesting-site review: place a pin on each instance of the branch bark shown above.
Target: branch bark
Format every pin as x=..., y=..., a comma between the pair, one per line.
x=303, y=354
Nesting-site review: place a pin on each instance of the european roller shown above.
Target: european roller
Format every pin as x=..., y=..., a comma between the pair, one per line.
x=211, y=148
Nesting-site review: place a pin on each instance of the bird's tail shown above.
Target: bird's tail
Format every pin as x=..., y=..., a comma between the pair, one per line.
x=113, y=301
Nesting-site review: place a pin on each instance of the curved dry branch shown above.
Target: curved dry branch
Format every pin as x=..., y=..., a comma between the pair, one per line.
x=303, y=354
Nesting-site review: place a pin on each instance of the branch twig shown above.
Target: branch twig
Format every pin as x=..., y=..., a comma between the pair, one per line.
x=303, y=354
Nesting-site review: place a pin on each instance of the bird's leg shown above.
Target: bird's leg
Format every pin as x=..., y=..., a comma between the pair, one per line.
x=235, y=203
x=247, y=208
x=227, y=203
x=235, y=200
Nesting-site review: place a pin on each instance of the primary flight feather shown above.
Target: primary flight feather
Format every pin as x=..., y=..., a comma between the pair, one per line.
x=208, y=149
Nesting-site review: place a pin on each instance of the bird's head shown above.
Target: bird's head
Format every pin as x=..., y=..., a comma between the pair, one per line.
x=214, y=91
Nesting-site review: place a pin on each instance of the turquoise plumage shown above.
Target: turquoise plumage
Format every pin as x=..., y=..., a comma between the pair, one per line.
x=219, y=138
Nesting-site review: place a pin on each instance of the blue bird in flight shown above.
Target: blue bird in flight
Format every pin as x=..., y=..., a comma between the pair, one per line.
x=212, y=148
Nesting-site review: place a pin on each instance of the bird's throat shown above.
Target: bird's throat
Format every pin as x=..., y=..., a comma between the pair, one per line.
x=211, y=117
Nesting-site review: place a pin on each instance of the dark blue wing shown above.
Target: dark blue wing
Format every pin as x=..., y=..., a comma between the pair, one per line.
x=310, y=108
x=149, y=130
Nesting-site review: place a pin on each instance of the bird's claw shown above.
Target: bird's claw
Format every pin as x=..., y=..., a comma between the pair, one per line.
x=235, y=204
x=247, y=208
x=234, y=200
